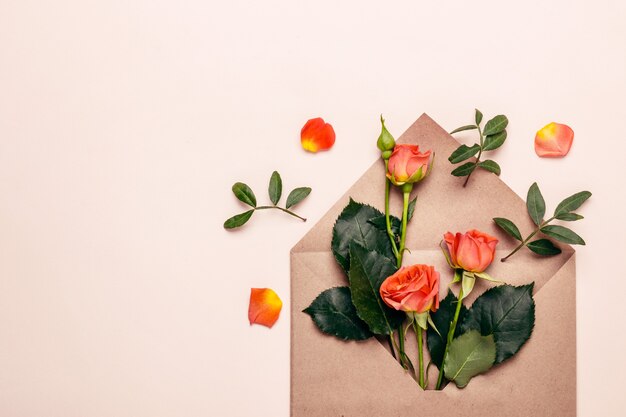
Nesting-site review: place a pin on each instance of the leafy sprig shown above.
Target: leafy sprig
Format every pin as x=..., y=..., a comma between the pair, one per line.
x=492, y=137
x=536, y=206
x=245, y=194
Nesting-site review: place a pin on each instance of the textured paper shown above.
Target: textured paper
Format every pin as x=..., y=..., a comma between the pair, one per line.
x=332, y=378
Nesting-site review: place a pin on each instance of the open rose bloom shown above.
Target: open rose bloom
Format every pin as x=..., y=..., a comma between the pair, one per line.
x=407, y=164
x=472, y=251
x=412, y=289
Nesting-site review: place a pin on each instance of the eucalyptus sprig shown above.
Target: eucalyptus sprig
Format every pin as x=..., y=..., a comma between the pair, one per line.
x=245, y=194
x=536, y=206
x=492, y=137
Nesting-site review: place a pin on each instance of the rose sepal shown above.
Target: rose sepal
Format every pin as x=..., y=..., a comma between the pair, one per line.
x=487, y=277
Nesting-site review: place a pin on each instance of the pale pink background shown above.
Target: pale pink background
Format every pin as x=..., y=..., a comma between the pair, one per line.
x=123, y=125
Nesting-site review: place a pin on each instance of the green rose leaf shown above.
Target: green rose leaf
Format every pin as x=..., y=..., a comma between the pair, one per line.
x=496, y=125
x=507, y=313
x=464, y=169
x=569, y=217
x=490, y=166
x=509, y=227
x=442, y=318
x=381, y=223
x=276, y=187
x=333, y=313
x=368, y=270
x=411, y=209
x=463, y=152
x=479, y=117
x=536, y=204
x=469, y=355
x=238, y=220
x=244, y=194
x=572, y=202
x=562, y=234
x=494, y=141
x=353, y=225
x=297, y=195
x=462, y=128
x=543, y=247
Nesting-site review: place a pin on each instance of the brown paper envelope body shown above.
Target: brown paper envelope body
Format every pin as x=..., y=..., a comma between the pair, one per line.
x=333, y=378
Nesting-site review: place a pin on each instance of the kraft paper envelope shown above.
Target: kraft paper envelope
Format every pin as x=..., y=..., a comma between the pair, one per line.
x=333, y=378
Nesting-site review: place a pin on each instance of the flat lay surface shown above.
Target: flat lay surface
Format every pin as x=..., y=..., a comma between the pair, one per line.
x=124, y=124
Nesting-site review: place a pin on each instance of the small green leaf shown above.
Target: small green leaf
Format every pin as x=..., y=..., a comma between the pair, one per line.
x=368, y=270
x=380, y=223
x=569, y=217
x=479, y=117
x=572, y=202
x=464, y=169
x=276, y=187
x=490, y=166
x=462, y=128
x=244, y=194
x=543, y=247
x=463, y=152
x=509, y=227
x=496, y=125
x=562, y=234
x=469, y=355
x=297, y=195
x=494, y=141
x=506, y=312
x=442, y=319
x=411, y=209
x=333, y=313
x=238, y=220
x=536, y=204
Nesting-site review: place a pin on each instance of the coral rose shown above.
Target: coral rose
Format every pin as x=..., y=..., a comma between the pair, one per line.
x=473, y=251
x=412, y=288
x=407, y=165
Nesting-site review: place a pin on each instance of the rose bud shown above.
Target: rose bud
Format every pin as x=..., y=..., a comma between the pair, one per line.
x=407, y=165
x=473, y=251
x=412, y=289
x=385, y=142
x=317, y=135
x=265, y=306
x=554, y=140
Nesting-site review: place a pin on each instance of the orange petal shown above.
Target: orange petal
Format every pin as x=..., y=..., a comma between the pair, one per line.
x=265, y=306
x=554, y=140
x=317, y=135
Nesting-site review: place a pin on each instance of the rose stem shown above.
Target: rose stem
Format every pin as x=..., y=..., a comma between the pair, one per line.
x=525, y=241
x=420, y=352
x=480, y=152
x=450, y=337
x=405, y=213
x=282, y=209
x=390, y=233
x=391, y=341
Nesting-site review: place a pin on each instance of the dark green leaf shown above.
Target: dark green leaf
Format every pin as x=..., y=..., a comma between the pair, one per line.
x=496, y=125
x=462, y=128
x=333, y=312
x=490, y=166
x=507, y=313
x=381, y=223
x=463, y=152
x=562, y=234
x=368, y=270
x=494, y=141
x=244, y=194
x=238, y=220
x=464, y=169
x=569, y=217
x=479, y=117
x=543, y=247
x=297, y=195
x=536, y=204
x=353, y=225
x=442, y=319
x=509, y=227
x=411, y=209
x=469, y=355
x=276, y=187
x=572, y=202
